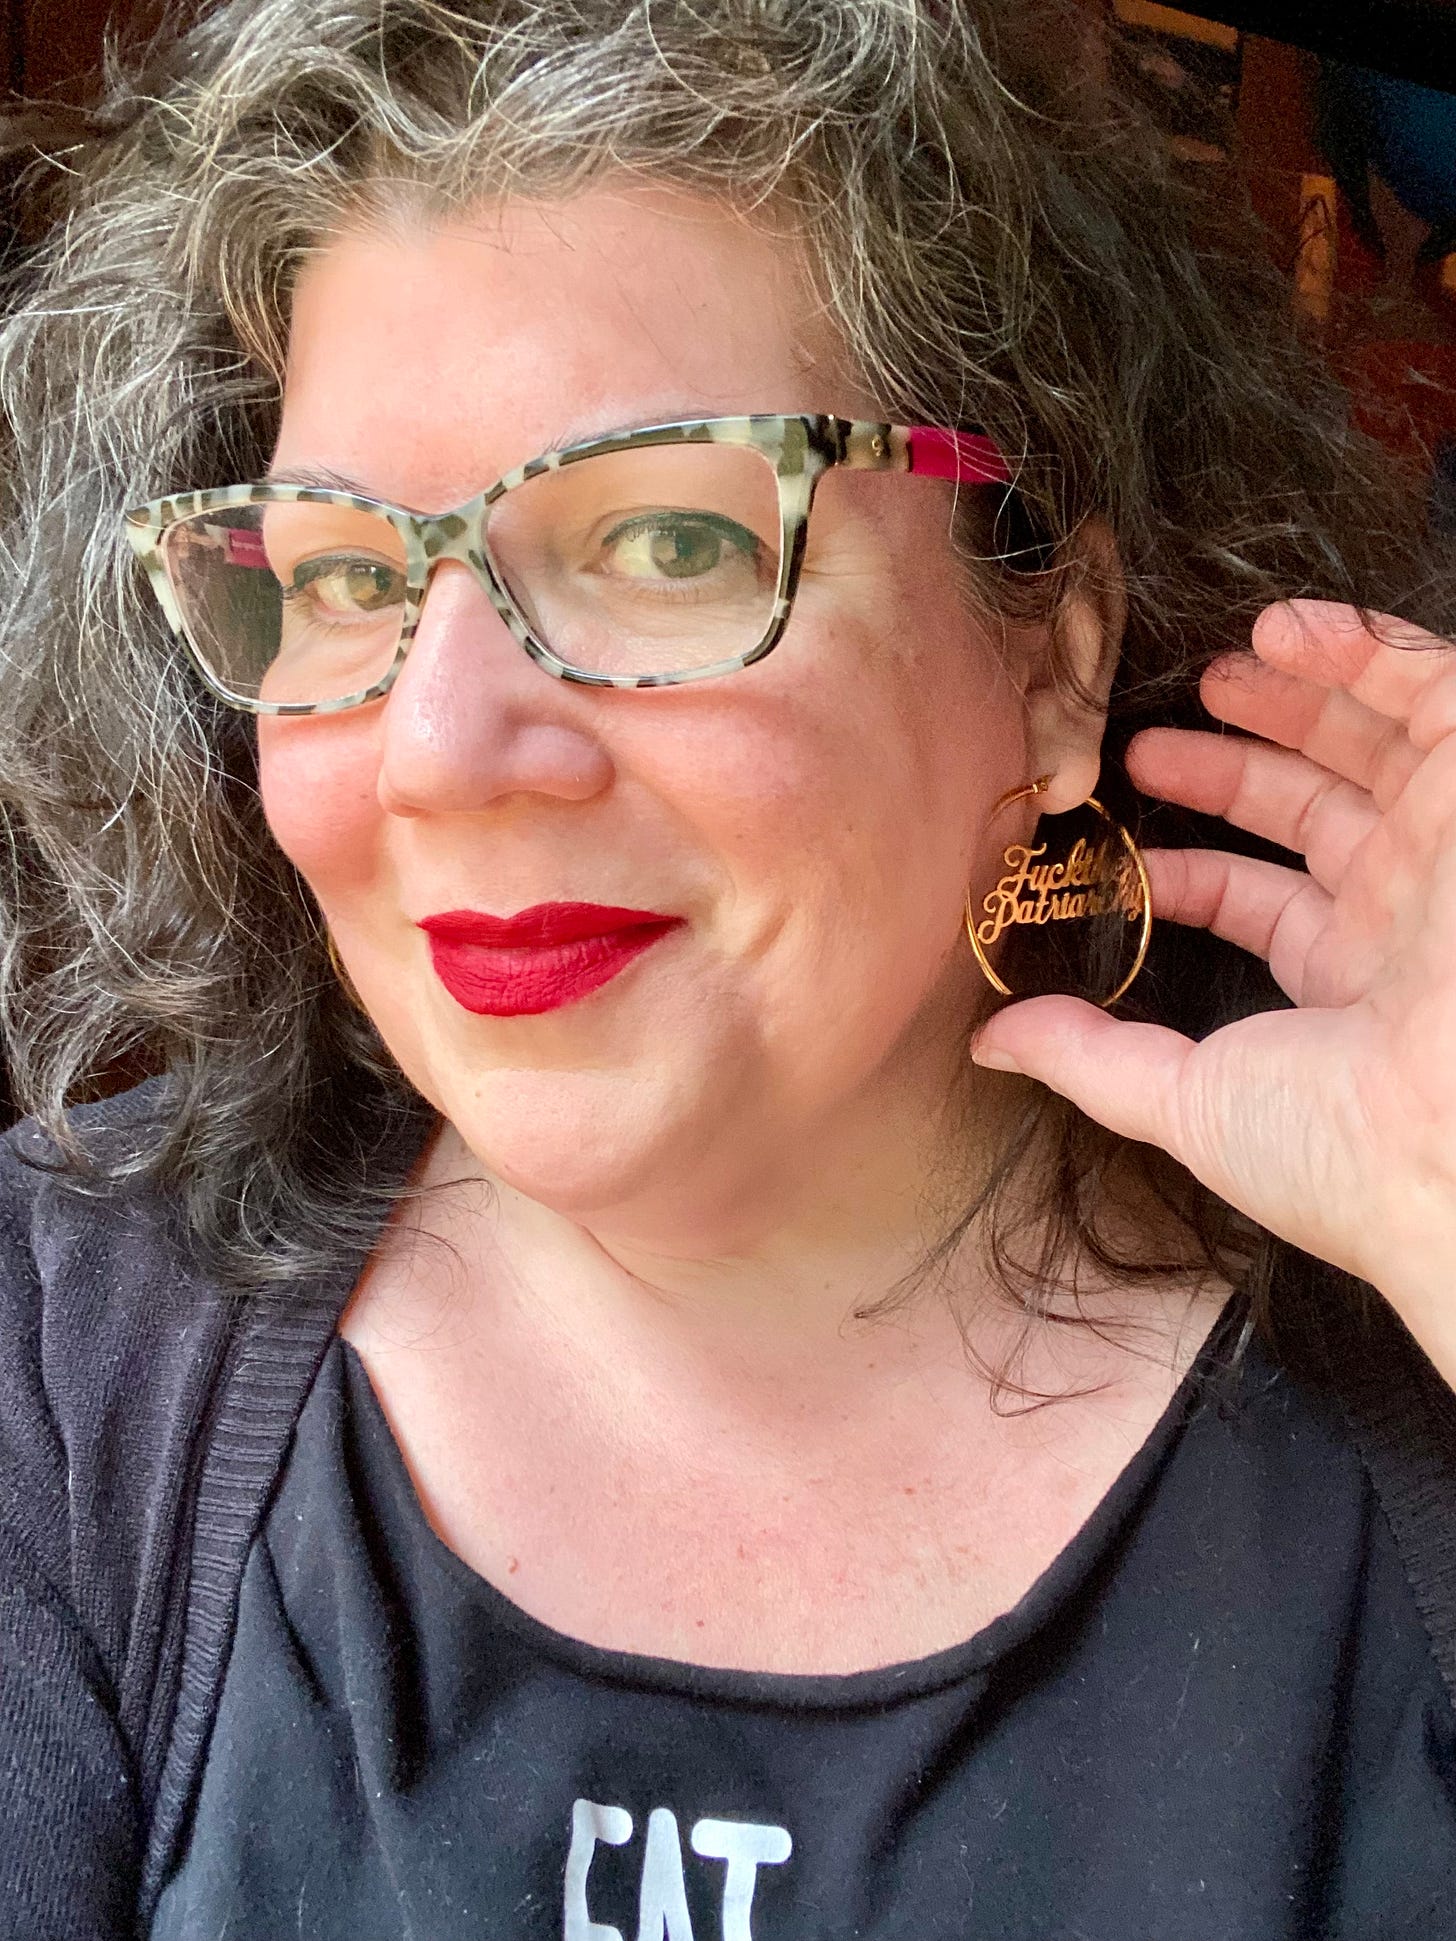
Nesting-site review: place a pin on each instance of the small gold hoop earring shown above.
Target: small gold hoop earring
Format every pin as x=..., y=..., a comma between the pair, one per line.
x=1101, y=878
x=343, y=976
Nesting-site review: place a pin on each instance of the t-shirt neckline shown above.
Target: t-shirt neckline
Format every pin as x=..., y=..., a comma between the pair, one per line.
x=395, y=1500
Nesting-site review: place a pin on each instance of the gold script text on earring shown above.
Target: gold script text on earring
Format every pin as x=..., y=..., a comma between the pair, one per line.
x=1092, y=882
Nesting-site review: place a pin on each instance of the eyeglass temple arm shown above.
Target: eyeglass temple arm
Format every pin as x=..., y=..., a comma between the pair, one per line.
x=965, y=457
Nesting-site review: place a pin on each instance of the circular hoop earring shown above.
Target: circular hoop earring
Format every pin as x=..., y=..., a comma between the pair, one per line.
x=343, y=976
x=1103, y=877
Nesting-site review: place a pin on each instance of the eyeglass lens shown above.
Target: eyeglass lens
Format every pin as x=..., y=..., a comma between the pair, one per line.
x=662, y=559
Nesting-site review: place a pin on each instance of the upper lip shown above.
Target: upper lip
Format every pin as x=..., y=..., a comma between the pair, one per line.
x=542, y=924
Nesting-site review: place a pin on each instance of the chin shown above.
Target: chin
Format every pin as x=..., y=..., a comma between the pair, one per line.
x=638, y=1121
x=579, y=1144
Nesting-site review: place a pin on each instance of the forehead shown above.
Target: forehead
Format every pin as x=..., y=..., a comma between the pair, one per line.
x=429, y=358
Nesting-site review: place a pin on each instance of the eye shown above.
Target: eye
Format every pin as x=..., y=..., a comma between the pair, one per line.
x=678, y=546
x=343, y=585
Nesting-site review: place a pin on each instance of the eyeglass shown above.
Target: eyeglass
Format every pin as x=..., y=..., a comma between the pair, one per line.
x=638, y=559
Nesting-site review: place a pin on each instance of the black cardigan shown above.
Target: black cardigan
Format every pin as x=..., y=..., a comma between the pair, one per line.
x=144, y=1421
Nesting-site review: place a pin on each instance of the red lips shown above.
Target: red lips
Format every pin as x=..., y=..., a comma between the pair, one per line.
x=540, y=958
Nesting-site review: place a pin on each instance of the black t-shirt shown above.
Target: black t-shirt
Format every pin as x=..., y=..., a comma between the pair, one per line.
x=1215, y=1717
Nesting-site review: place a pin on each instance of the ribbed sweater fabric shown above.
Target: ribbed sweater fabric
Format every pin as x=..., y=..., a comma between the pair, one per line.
x=144, y=1421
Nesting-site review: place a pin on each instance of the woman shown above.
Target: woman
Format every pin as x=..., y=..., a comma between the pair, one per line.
x=534, y=1429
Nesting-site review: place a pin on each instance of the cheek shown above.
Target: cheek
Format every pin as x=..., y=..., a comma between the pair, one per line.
x=846, y=783
x=318, y=781
x=923, y=729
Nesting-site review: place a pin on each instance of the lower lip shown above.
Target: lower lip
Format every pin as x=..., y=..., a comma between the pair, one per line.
x=523, y=980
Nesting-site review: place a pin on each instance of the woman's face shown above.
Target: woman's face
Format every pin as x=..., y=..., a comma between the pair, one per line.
x=812, y=821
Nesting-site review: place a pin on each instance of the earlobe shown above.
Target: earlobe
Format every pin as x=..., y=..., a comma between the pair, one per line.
x=1066, y=701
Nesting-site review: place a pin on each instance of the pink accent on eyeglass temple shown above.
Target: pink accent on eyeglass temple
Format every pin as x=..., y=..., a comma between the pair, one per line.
x=243, y=547
x=967, y=457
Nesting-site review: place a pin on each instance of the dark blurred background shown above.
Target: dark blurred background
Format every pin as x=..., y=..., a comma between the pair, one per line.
x=1337, y=116
x=50, y=44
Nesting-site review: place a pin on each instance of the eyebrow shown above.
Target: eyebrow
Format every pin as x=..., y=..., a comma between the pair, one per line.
x=330, y=481
x=666, y=415
x=588, y=434
x=320, y=476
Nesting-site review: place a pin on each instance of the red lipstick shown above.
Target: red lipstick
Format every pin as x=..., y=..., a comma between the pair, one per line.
x=539, y=959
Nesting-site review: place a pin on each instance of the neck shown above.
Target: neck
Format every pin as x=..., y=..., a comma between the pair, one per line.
x=761, y=1289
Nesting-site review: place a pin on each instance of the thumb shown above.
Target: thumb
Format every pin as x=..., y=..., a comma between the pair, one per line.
x=1125, y=1076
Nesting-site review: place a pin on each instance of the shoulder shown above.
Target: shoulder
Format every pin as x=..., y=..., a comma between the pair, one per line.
x=145, y=1415
x=97, y=1292
x=112, y=1341
x=89, y=1269
x=111, y=1348
x=1386, y=1412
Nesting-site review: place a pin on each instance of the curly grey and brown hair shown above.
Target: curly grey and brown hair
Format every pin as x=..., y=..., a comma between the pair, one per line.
x=999, y=236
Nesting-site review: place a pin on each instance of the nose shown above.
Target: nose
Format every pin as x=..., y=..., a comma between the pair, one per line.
x=471, y=718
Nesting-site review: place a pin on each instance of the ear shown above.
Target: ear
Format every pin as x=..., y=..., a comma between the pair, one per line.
x=1066, y=697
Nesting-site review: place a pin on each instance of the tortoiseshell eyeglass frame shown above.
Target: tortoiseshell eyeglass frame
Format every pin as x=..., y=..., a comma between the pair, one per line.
x=801, y=447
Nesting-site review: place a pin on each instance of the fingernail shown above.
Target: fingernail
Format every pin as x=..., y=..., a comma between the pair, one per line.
x=993, y=1059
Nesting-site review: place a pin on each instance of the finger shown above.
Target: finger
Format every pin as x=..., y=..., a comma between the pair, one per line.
x=1125, y=1076
x=1277, y=914
x=1390, y=668
x=1271, y=792
x=1327, y=724
x=1220, y=1107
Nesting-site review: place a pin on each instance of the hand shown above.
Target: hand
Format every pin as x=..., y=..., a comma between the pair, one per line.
x=1334, y=1124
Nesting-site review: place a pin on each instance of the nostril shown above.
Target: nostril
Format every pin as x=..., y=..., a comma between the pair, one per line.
x=444, y=754
x=473, y=719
